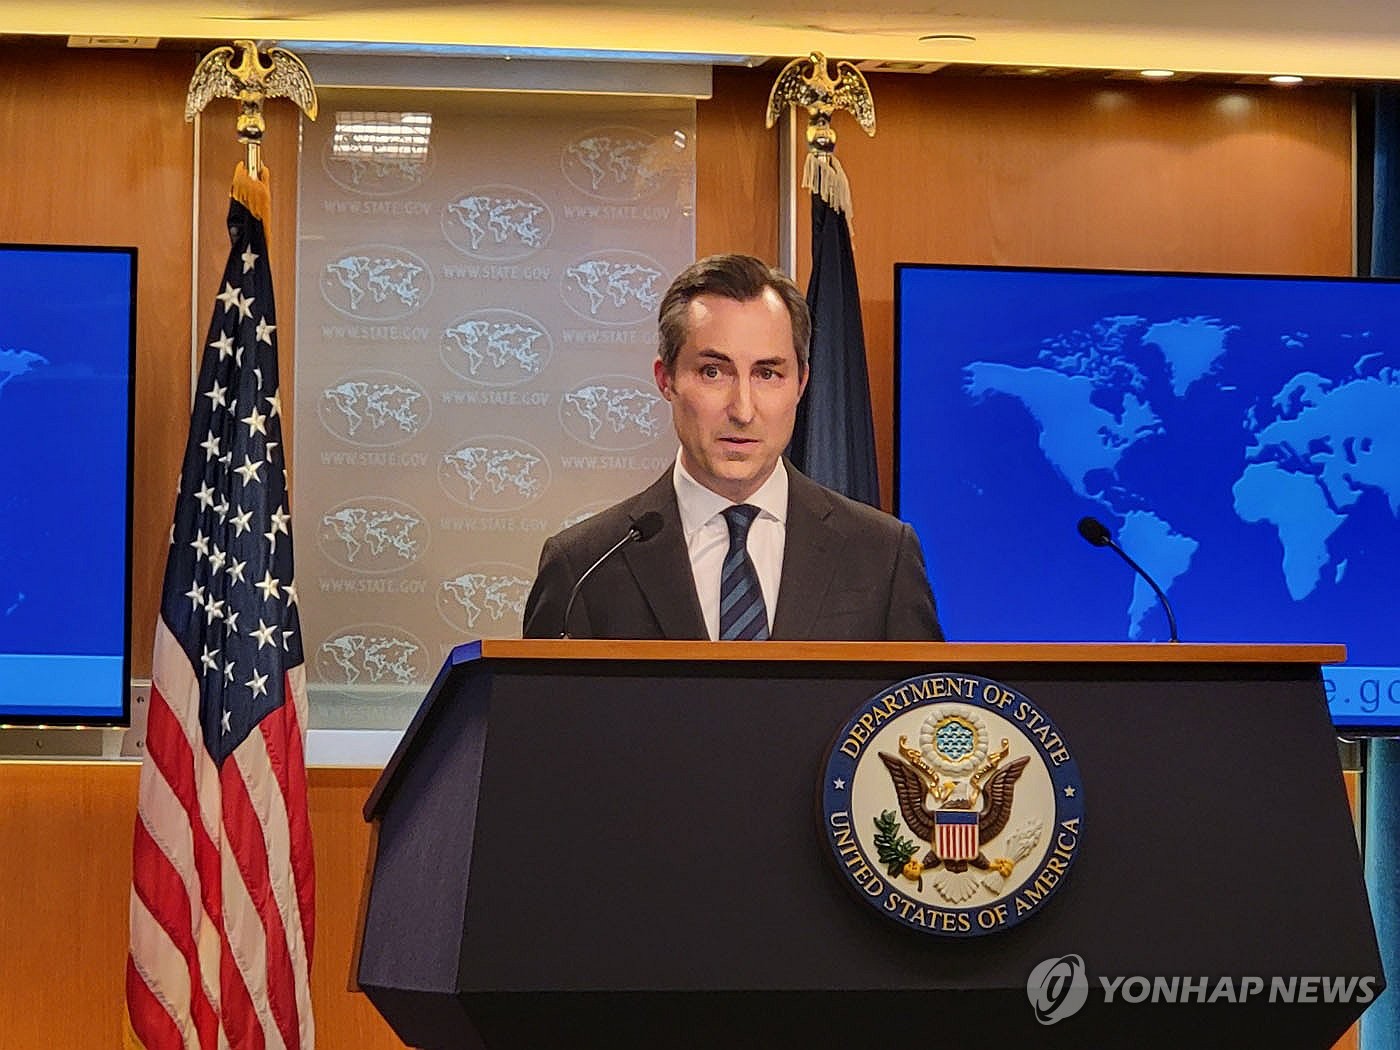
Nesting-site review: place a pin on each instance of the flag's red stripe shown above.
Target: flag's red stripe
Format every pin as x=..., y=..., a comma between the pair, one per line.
x=244, y=834
x=239, y=1017
x=149, y=1018
x=282, y=738
x=169, y=749
x=163, y=892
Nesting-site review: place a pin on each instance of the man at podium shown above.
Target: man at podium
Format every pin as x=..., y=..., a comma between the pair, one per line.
x=733, y=543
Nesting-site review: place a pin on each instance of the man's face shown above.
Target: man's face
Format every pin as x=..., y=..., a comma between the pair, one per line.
x=734, y=390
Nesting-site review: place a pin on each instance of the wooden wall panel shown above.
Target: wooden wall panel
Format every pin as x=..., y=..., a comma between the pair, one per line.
x=66, y=878
x=99, y=153
x=736, y=176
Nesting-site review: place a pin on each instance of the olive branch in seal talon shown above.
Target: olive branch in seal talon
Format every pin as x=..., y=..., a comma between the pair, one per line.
x=245, y=73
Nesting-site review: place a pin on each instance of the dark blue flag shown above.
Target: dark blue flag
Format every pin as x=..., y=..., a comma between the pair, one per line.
x=834, y=439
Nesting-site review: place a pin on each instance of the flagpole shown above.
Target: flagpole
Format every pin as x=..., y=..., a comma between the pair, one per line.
x=833, y=440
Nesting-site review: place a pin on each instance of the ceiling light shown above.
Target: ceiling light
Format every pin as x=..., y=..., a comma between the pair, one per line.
x=1157, y=74
x=1285, y=78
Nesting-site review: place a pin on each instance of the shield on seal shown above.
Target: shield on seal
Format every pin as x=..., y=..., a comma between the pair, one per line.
x=956, y=834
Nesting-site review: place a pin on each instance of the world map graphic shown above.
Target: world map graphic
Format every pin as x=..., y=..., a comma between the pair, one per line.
x=1239, y=438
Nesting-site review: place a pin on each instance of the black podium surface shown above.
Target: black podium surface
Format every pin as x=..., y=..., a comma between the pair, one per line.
x=587, y=844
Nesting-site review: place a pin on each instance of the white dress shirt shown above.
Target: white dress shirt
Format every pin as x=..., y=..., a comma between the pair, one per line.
x=707, y=538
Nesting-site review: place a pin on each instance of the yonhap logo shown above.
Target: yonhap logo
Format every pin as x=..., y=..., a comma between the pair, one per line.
x=1057, y=988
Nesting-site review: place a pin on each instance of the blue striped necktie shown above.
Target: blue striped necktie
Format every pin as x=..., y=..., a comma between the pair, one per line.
x=742, y=616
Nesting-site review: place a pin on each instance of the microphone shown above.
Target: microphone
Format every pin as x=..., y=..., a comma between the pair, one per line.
x=1095, y=532
x=642, y=529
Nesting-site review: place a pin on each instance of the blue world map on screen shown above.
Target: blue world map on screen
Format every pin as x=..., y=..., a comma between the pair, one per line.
x=1240, y=438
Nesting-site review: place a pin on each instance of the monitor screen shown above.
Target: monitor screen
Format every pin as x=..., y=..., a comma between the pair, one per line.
x=67, y=351
x=1239, y=437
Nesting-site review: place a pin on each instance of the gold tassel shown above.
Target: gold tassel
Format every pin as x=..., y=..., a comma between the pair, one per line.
x=255, y=195
x=823, y=175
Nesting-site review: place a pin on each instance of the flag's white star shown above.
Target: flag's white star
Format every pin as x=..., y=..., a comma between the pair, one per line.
x=228, y=671
x=265, y=331
x=290, y=589
x=249, y=470
x=235, y=571
x=229, y=296
x=240, y=521
x=221, y=509
x=249, y=258
x=258, y=683
x=205, y=495
x=200, y=543
x=287, y=638
x=264, y=633
x=213, y=610
x=196, y=595
x=208, y=658
x=275, y=401
x=231, y=619
x=223, y=344
x=223, y=722
x=227, y=459
x=216, y=394
x=216, y=559
x=238, y=356
x=211, y=446
x=257, y=374
x=839, y=784
x=245, y=307
x=255, y=421
x=269, y=585
x=279, y=524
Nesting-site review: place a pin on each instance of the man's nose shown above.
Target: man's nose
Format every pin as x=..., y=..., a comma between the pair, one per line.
x=741, y=401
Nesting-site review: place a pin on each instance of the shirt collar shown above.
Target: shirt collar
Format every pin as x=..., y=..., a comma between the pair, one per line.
x=698, y=505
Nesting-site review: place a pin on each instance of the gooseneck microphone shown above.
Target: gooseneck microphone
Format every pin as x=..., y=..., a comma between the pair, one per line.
x=642, y=529
x=1097, y=533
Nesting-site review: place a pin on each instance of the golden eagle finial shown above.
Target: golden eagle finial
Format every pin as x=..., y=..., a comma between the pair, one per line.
x=806, y=82
x=250, y=76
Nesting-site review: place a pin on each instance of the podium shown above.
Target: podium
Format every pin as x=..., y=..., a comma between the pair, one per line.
x=615, y=844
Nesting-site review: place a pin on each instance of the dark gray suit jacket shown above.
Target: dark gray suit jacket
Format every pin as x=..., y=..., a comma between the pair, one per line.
x=850, y=573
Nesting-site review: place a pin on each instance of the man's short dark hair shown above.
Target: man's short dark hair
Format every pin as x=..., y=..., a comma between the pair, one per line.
x=732, y=276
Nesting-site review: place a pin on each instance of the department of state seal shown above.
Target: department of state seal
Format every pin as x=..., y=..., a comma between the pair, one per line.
x=952, y=804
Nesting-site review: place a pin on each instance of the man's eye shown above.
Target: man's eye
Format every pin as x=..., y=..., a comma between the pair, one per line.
x=767, y=373
x=710, y=371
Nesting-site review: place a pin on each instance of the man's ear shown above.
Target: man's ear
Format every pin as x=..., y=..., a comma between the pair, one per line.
x=663, y=378
x=806, y=375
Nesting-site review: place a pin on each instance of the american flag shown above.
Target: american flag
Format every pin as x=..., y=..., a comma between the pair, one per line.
x=223, y=885
x=956, y=833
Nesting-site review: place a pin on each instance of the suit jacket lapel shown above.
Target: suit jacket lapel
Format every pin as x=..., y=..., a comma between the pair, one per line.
x=661, y=566
x=809, y=558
